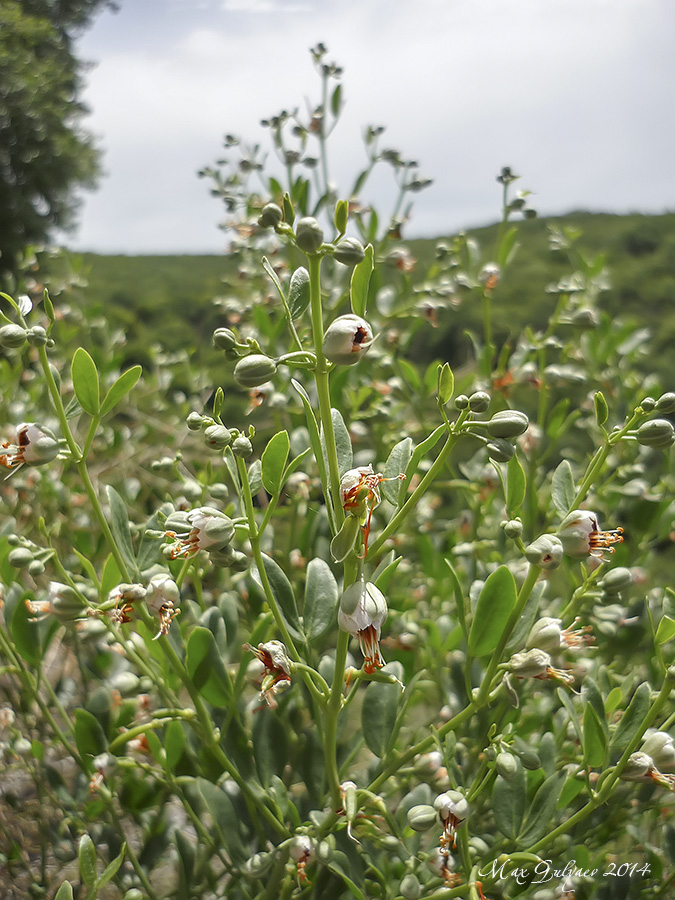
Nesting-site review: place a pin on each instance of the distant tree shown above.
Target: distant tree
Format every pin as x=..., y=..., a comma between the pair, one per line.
x=44, y=154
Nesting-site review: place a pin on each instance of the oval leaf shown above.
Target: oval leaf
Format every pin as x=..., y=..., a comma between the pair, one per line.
x=120, y=389
x=298, y=292
x=119, y=523
x=321, y=600
x=86, y=857
x=283, y=592
x=378, y=713
x=358, y=288
x=540, y=816
x=632, y=719
x=65, y=892
x=343, y=442
x=495, y=604
x=84, y=374
x=595, y=740
x=516, y=484
x=562, y=492
x=396, y=464
x=206, y=668
x=274, y=461
x=446, y=383
x=508, y=803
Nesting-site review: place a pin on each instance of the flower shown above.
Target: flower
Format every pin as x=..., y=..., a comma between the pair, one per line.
x=581, y=535
x=161, y=598
x=35, y=445
x=347, y=339
x=124, y=596
x=62, y=601
x=640, y=767
x=549, y=635
x=362, y=612
x=659, y=745
x=274, y=657
x=205, y=528
x=452, y=808
x=360, y=494
x=536, y=663
x=302, y=852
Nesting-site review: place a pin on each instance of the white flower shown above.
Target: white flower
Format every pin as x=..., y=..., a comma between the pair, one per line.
x=34, y=446
x=207, y=529
x=363, y=610
x=581, y=535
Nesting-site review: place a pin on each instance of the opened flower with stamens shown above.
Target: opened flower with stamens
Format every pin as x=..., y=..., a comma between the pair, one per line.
x=123, y=597
x=661, y=747
x=581, y=535
x=549, y=635
x=360, y=494
x=62, y=601
x=35, y=445
x=452, y=808
x=640, y=767
x=274, y=657
x=536, y=663
x=363, y=610
x=203, y=528
x=162, y=597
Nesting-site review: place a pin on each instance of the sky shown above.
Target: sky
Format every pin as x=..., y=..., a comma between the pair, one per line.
x=576, y=96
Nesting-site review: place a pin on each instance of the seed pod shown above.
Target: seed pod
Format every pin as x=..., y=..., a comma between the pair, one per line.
x=508, y=423
x=308, y=235
x=12, y=337
x=347, y=339
x=657, y=433
x=224, y=338
x=254, y=370
x=500, y=450
x=349, y=251
x=422, y=817
x=270, y=216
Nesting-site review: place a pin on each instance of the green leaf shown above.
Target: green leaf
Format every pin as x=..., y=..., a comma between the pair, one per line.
x=65, y=892
x=89, y=735
x=516, y=484
x=343, y=443
x=274, y=461
x=378, y=713
x=289, y=212
x=113, y=867
x=495, y=605
x=397, y=462
x=321, y=600
x=51, y=315
x=174, y=744
x=119, y=523
x=313, y=429
x=384, y=573
x=225, y=818
x=270, y=746
x=601, y=408
x=358, y=288
x=341, y=216
x=507, y=246
x=541, y=813
x=446, y=383
x=84, y=374
x=336, y=100
x=666, y=630
x=508, y=803
x=126, y=382
x=25, y=632
x=562, y=491
x=343, y=542
x=574, y=717
x=255, y=481
x=410, y=374
x=283, y=592
x=631, y=721
x=298, y=292
x=206, y=668
x=86, y=857
x=595, y=739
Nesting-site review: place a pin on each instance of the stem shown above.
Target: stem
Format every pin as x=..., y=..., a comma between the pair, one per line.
x=331, y=720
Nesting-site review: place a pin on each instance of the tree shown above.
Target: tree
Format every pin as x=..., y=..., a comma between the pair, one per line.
x=44, y=153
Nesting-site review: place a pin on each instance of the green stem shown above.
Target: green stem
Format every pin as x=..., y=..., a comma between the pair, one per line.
x=331, y=719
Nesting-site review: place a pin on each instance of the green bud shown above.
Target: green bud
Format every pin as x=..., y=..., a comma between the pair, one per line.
x=546, y=552
x=479, y=401
x=258, y=864
x=500, y=450
x=66, y=604
x=616, y=580
x=242, y=447
x=508, y=423
x=507, y=765
x=224, y=338
x=308, y=235
x=254, y=370
x=324, y=852
x=134, y=894
x=347, y=339
x=513, y=528
x=217, y=436
x=529, y=759
x=194, y=421
x=422, y=818
x=270, y=216
x=666, y=403
x=36, y=336
x=349, y=251
x=36, y=567
x=648, y=404
x=410, y=888
x=240, y=561
x=461, y=401
x=12, y=337
x=20, y=557
x=657, y=433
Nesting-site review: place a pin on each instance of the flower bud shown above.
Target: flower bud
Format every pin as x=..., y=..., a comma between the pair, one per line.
x=349, y=251
x=12, y=337
x=532, y=663
x=422, y=817
x=666, y=403
x=301, y=848
x=242, y=447
x=616, y=580
x=217, y=436
x=410, y=888
x=194, y=421
x=657, y=433
x=20, y=557
x=346, y=340
x=513, y=528
x=254, y=370
x=65, y=603
x=37, y=567
x=258, y=864
x=648, y=404
x=546, y=552
x=479, y=401
x=36, y=336
x=489, y=276
x=508, y=423
x=362, y=612
x=224, y=338
x=308, y=235
x=637, y=767
x=659, y=746
x=461, y=401
x=270, y=216
x=500, y=450
x=507, y=765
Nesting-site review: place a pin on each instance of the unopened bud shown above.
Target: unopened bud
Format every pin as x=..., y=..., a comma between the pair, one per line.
x=500, y=450
x=36, y=336
x=270, y=216
x=308, y=235
x=349, y=251
x=217, y=436
x=12, y=337
x=479, y=401
x=546, y=552
x=242, y=447
x=254, y=370
x=657, y=433
x=422, y=817
x=347, y=339
x=508, y=423
x=224, y=338
x=666, y=403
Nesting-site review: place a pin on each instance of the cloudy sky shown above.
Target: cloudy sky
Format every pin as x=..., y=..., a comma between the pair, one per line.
x=574, y=95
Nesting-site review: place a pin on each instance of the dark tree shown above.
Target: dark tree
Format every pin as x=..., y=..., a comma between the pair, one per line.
x=44, y=153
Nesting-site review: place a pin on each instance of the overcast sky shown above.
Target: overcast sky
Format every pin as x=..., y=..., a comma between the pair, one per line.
x=577, y=96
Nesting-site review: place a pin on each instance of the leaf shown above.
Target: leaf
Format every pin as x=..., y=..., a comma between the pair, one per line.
x=174, y=744
x=289, y=212
x=358, y=286
x=270, y=746
x=495, y=604
x=507, y=246
x=84, y=374
x=666, y=630
x=119, y=523
x=601, y=408
x=313, y=429
x=343, y=443
x=336, y=100
x=113, y=867
x=631, y=720
x=508, y=803
x=65, y=892
x=274, y=459
x=446, y=383
x=540, y=814
x=343, y=542
x=562, y=491
x=321, y=600
x=383, y=574
x=206, y=668
x=283, y=592
x=595, y=739
x=378, y=713
x=516, y=485
x=224, y=816
x=410, y=374
x=86, y=857
x=341, y=216
x=120, y=389
x=25, y=632
x=298, y=292
x=397, y=462
x=89, y=735
x=255, y=481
